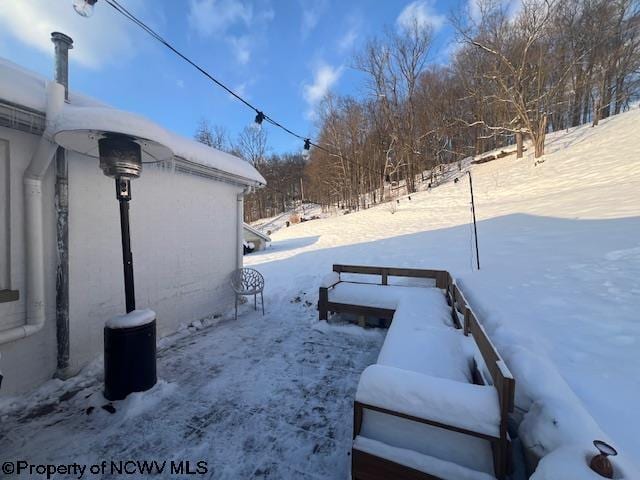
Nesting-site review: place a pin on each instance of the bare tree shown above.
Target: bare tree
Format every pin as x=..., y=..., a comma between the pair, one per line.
x=215, y=136
x=515, y=76
x=252, y=145
x=394, y=66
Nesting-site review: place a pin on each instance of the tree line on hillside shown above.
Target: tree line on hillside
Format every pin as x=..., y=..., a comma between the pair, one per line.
x=283, y=172
x=513, y=76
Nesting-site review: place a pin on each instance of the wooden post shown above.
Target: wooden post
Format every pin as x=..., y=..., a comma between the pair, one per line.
x=357, y=418
x=323, y=301
x=467, y=314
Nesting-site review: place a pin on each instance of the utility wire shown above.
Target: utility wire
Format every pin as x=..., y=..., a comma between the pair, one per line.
x=259, y=113
x=260, y=116
x=154, y=34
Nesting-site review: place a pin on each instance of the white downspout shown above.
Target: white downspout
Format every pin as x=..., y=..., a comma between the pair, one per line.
x=33, y=220
x=240, y=226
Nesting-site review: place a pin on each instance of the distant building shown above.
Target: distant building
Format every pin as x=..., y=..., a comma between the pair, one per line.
x=254, y=240
x=186, y=230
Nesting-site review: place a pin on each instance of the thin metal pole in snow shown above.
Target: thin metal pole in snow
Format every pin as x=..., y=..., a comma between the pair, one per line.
x=473, y=211
x=123, y=189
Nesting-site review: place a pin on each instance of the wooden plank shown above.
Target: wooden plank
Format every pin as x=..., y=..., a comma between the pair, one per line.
x=390, y=271
x=385, y=313
x=427, y=421
x=370, y=467
x=503, y=382
x=361, y=269
x=487, y=350
x=413, y=272
x=458, y=299
x=365, y=466
x=467, y=314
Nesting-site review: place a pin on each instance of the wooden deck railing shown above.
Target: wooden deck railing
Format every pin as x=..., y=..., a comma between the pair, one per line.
x=501, y=377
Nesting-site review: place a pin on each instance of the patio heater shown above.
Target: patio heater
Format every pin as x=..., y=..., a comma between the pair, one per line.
x=121, y=159
x=129, y=339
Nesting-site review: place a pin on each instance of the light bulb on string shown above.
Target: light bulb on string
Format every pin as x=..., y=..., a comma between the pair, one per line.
x=84, y=8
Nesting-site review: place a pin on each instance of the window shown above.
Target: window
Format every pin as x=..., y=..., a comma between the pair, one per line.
x=6, y=294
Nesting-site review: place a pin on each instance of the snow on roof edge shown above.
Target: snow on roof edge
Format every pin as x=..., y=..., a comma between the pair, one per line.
x=256, y=232
x=28, y=89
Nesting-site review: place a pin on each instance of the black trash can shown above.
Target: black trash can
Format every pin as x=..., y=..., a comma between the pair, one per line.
x=129, y=356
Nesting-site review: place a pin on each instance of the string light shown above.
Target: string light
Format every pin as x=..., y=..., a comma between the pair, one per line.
x=84, y=8
x=260, y=116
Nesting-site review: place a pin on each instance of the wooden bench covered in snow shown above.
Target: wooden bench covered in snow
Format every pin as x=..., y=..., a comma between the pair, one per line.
x=340, y=293
x=436, y=403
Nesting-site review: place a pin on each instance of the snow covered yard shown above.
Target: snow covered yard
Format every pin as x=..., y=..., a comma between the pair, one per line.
x=261, y=397
x=559, y=293
x=559, y=288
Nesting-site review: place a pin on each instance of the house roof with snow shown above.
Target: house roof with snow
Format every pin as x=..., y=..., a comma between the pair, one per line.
x=258, y=233
x=23, y=100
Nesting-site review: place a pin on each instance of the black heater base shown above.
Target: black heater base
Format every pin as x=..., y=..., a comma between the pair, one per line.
x=129, y=360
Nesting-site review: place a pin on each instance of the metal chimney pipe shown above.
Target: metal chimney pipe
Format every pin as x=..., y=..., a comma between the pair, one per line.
x=63, y=44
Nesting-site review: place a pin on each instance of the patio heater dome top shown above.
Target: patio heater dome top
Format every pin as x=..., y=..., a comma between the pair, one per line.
x=87, y=143
x=81, y=130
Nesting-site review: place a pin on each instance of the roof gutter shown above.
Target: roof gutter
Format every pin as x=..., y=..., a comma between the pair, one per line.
x=240, y=227
x=33, y=219
x=186, y=166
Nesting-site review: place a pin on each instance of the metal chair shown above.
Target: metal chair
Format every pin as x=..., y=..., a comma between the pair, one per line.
x=245, y=282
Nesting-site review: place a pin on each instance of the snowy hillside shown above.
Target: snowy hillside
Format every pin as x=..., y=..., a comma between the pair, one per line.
x=272, y=396
x=559, y=285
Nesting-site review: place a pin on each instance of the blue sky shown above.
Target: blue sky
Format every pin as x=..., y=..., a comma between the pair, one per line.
x=282, y=55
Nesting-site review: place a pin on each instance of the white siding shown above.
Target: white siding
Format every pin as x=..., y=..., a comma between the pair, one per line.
x=183, y=239
x=183, y=234
x=30, y=361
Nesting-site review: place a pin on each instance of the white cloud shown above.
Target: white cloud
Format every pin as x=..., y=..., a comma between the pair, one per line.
x=352, y=30
x=345, y=43
x=241, y=48
x=225, y=18
x=240, y=89
x=215, y=17
x=420, y=13
x=105, y=38
x=311, y=13
x=325, y=76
